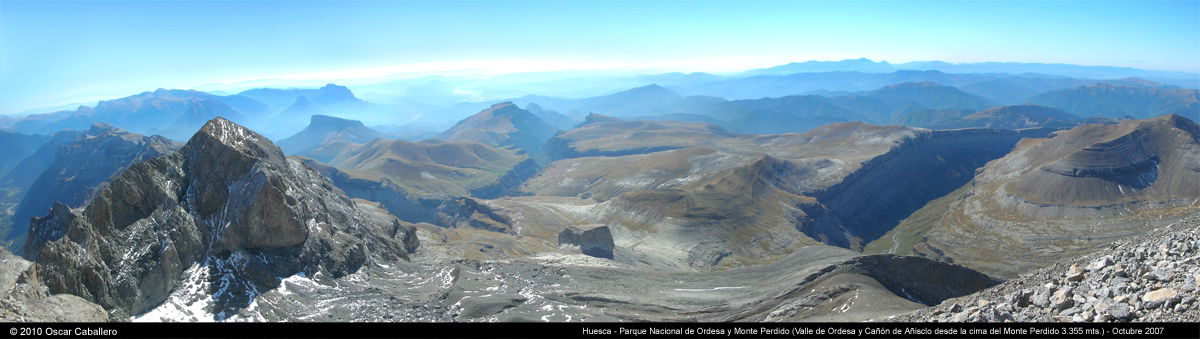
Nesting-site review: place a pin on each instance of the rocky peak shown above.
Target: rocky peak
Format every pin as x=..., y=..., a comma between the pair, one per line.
x=332, y=93
x=228, y=209
x=221, y=134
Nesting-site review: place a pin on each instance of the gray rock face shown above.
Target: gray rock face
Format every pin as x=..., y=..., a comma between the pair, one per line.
x=80, y=166
x=467, y=212
x=25, y=299
x=594, y=240
x=228, y=208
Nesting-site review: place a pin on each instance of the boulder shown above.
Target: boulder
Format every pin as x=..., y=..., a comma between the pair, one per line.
x=1160, y=296
x=594, y=240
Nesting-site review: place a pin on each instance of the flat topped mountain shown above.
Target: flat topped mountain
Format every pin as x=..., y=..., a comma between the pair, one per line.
x=327, y=137
x=1097, y=165
x=503, y=124
x=210, y=226
x=602, y=135
x=328, y=95
x=430, y=170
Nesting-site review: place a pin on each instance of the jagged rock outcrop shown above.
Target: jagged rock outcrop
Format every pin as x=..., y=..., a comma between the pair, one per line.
x=82, y=165
x=25, y=299
x=227, y=215
x=594, y=240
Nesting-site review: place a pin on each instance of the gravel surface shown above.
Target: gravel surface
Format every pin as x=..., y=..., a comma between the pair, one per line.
x=1152, y=277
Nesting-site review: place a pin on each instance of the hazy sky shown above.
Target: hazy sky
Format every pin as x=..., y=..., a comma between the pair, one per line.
x=52, y=52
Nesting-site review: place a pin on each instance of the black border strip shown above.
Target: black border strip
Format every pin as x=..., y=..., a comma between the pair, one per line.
x=602, y=330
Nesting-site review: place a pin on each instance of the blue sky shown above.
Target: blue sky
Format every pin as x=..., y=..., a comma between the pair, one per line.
x=53, y=52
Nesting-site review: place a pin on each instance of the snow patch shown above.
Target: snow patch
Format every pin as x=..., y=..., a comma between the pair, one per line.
x=709, y=289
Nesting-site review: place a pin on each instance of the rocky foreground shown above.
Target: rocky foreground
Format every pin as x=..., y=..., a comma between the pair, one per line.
x=1148, y=278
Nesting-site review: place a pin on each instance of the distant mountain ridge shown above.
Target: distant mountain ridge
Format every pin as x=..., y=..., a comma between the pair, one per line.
x=1119, y=100
x=79, y=167
x=1005, y=117
x=503, y=124
x=1063, y=70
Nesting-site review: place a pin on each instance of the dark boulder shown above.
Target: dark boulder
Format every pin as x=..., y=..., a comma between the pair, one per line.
x=593, y=240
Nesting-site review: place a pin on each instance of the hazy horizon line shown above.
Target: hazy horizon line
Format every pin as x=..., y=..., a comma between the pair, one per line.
x=485, y=69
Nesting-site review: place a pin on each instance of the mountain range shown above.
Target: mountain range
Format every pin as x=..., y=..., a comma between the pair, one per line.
x=849, y=191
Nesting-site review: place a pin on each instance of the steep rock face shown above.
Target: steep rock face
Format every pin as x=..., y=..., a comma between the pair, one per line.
x=1062, y=196
x=80, y=166
x=467, y=212
x=503, y=124
x=396, y=199
x=933, y=164
x=510, y=182
x=228, y=208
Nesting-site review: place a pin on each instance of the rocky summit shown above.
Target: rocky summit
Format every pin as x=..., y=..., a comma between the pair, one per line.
x=205, y=230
